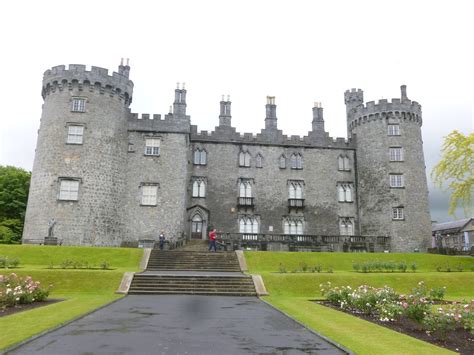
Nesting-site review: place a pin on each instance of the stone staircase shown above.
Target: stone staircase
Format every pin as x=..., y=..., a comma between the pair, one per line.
x=192, y=270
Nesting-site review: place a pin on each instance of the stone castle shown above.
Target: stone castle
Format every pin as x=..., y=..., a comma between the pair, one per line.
x=110, y=177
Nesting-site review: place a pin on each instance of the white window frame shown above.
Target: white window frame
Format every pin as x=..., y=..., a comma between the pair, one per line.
x=343, y=163
x=295, y=189
x=199, y=187
x=149, y=194
x=395, y=153
x=398, y=213
x=245, y=188
x=78, y=104
x=296, y=161
x=345, y=192
x=75, y=134
x=396, y=180
x=68, y=189
x=346, y=226
x=200, y=157
x=152, y=146
x=393, y=130
x=244, y=159
x=249, y=224
x=293, y=226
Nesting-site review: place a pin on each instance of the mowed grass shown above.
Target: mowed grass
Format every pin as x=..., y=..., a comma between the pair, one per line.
x=83, y=290
x=293, y=293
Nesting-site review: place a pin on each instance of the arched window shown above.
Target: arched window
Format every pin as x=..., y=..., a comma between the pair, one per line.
x=346, y=226
x=196, y=224
x=344, y=192
x=343, y=163
x=259, y=161
x=296, y=161
x=200, y=157
x=293, y=226
x=199, y=187
x=282, y=162
x=245, y=189
x=295, y=189
x=244, y=159
x=249, y=225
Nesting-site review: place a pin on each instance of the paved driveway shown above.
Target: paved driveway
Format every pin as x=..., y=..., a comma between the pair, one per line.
x=182, y=325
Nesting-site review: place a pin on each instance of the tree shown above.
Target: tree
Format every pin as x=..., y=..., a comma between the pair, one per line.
x=457, y=169
x=14, y=188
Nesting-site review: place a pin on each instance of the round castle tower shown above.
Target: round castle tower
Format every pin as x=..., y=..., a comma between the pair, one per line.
x=392, y=187
x=78, y=171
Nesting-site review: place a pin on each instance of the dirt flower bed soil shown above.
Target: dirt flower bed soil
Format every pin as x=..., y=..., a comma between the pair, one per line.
x=459, y=340
x=26, y=307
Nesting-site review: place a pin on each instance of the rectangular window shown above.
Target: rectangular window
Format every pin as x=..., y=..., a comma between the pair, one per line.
x=397, y=213
x=393, y=130
x=199, y=187
x=75, y=134
x=343, y=163
x=396, y=180
x=396, y=154
x=69, y=190
x=149, y=195
x=344, y=192
x=78, y=105
x=152, y=146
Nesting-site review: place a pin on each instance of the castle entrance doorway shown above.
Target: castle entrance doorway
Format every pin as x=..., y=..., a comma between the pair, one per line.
x=196, y=227
x=198, y=217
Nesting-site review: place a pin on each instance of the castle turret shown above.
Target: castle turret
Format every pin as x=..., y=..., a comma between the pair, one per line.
x=78, y=171
x=392, y=187
x=225, y=114
x=270, y=118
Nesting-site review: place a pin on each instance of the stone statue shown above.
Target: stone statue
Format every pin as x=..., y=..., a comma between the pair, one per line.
x=51, y=224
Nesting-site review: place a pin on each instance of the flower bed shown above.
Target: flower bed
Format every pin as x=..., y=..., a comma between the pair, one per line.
x=450, y=325
x=16, y=290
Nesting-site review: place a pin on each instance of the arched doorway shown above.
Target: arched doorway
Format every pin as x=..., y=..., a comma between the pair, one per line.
x=196, y=227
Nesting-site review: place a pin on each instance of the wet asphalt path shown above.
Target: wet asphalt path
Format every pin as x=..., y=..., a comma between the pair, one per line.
x=182, y=324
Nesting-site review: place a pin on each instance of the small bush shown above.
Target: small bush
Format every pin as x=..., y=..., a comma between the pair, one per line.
x=318, y=268
x=330, y=270
x=459, y=268
x=402, y=267
x=356, y=267
x=303, y=267
x=413, y=267
x=282, y=268
x=17, y=290
x=104, y=265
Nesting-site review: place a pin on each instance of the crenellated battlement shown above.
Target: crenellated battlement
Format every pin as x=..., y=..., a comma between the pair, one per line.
x=156, y=123
x=76, y=77
x=397, y=109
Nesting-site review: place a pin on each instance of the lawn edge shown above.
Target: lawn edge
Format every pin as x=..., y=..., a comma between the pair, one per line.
x=59, y=326
x=333, y=342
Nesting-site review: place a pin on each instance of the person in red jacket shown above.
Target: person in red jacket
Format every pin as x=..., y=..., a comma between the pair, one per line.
x=212, y=240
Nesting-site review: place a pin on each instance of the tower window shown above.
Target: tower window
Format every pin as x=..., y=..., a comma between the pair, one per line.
x=75, y=134
x=296, y=161
x=393, y=130
x=152, y=146
x=200, y=157
x=396, y=154
x=398, y=213
x=199, y=186
x=396, y=180
x=68, y=189
x=244, y=159
x=343, y=163
x=78, y=105
x=149, y=194
x=344, y=192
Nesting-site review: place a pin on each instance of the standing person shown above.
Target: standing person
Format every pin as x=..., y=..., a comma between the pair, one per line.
x=161, y=240
x=212, y=240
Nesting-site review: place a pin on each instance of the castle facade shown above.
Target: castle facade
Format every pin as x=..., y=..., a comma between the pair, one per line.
x=108, y=176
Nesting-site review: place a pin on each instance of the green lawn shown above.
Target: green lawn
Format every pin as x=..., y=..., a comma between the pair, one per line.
x=293, y=293
x=83, y=290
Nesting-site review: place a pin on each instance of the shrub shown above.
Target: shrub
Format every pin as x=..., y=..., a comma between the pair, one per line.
x=104, y=265
x=413, y=267
x=330, y=270
x=402, y=267
x=318, y=268
x=16, y=290
x=282, y=268
x=7, y=263
x=459, y=268
x=437, y=294
x=439, y=268
x=303, y=267
x=66, y=263
x=356, y=267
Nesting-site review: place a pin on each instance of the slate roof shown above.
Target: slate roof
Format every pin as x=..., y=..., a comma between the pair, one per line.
x=454, y=226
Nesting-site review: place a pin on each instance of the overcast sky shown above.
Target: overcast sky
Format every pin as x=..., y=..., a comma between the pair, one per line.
x=298, y=51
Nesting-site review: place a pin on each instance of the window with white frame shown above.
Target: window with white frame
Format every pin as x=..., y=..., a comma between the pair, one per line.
x=396, y=154
x=75, y=134
x=295, y=189
x=199, y=186
x=398, y=213
x=344, y=192
x=68, y=189
x=282, y=162
x=396, y=180
x=200, y=157
x=78, y=104
x=296, y=161
x=393, y=130
x=259, y=161
x=249, y=224
x=244, y=159
x=346, y=226
x=149, y=194
x=293, y=225
x=343, y=163
x=245, y=188
x=152, y=146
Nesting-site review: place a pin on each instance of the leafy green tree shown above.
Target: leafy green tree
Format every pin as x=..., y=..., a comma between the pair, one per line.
x=457, y=169
x=14, y=188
